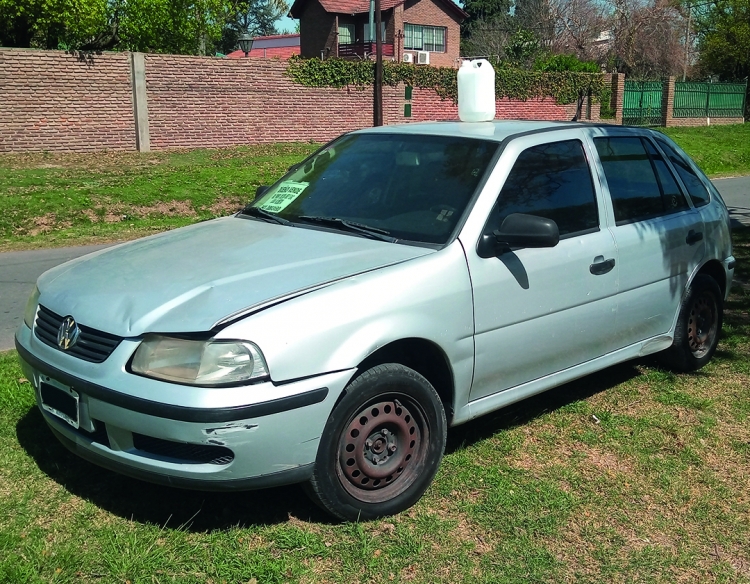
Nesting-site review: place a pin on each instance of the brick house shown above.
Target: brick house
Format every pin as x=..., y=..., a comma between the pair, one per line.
x=339, y=28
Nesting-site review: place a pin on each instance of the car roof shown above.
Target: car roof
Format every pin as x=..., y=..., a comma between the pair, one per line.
x=496, y=130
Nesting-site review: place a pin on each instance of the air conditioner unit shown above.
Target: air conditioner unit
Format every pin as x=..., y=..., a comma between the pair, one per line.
x=408, y=58
x=423, y=58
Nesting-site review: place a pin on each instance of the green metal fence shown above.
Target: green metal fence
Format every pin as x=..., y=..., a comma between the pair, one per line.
x=709, y=100
x=641, y=104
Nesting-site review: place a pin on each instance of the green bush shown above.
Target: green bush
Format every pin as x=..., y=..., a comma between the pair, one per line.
x=562, y=86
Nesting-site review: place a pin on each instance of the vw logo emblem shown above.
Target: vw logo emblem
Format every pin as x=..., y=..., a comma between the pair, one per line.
x=68, y=333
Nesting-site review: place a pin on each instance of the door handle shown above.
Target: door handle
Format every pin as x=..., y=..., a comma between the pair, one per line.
x=601, y=266
x=693, y=237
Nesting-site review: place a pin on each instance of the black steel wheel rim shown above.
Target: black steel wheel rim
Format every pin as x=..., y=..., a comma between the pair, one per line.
x=381, y=450
x=702, y=324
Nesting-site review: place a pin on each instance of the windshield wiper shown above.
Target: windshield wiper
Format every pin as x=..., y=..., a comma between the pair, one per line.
x=352, y=226
x=263, y=214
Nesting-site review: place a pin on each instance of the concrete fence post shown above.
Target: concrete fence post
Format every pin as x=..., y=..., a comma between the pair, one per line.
x=140, y=101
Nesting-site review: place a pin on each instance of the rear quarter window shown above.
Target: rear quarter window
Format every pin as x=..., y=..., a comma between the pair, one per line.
x=694, y=185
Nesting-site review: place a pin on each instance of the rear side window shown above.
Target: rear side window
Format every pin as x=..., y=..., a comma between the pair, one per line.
x=553, y=181
x=639, y=181
x=695, y=187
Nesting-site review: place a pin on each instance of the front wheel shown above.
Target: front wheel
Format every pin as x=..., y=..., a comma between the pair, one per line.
x=698, y=326
x=382, y=445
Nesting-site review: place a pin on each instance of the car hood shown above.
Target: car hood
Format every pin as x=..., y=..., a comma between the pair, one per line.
x=191, y=279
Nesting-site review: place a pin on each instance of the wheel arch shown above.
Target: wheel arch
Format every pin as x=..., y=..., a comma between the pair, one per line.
x=715, y=270
x=424, y=357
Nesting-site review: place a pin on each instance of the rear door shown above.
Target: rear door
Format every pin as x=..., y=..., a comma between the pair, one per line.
x=659, y=235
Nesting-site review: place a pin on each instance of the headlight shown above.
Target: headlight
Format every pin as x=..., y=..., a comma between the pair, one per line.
x=208, y=363
x=30, y=312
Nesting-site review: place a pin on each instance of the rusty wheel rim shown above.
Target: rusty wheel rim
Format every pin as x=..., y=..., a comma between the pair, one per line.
x=702, y=325
x=381, y=450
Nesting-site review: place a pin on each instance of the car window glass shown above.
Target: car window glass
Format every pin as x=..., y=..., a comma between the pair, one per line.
x=695, y=187
x=635, y=190
x=553, y=181
x=673, y=198
x=415, y=187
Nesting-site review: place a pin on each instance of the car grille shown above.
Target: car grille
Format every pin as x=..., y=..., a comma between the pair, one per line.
x=183, y=452
x=92, y=345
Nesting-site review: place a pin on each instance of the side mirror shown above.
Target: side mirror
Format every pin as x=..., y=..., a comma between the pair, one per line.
x=261, y=190
x=519, y=230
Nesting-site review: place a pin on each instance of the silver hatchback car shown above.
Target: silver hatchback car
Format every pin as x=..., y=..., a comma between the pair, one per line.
x=399, y=281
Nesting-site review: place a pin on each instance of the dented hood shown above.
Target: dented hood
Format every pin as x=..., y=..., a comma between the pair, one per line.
x=190, y=279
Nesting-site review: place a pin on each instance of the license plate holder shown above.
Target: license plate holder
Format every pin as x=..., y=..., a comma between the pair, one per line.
x=61, y=402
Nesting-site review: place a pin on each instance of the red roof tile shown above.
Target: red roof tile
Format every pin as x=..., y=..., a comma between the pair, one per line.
x=360, y=6
x=291, y=35
x=356, y=6
x=269, y=53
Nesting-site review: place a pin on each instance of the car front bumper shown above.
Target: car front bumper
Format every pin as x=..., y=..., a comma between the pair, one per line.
x=249, y=437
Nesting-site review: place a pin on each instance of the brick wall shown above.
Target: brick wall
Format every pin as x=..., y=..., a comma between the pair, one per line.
x=50, y=100
x=700, y=122
x=205, y=102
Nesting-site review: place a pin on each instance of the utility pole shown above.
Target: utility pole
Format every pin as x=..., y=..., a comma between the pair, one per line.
x=378, y=96
x=687, y=42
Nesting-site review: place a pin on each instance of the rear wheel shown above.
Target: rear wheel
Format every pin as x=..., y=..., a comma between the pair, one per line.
x=698, y=326
x=381, y=446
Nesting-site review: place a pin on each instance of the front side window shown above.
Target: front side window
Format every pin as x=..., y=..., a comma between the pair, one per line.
x=424, y=38
x=640, y=184
x=553, y=181
x=407, y=187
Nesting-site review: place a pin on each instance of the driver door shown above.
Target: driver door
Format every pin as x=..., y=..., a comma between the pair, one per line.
x=540, y=311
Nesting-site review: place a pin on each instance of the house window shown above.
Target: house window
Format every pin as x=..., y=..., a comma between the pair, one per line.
x=424, y=38
x=346, y=34
x=367, y=32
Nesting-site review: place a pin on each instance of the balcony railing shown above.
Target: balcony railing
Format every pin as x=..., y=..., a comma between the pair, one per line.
x=363, y=49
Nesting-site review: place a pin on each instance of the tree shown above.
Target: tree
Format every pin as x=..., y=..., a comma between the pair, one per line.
x=647, y=38
x=578, y=24
x=194, y=27
x=169, y=26
x=487, y=27
x=49, y=24
x=536, y=17
x=257, y=17
x=725, y=39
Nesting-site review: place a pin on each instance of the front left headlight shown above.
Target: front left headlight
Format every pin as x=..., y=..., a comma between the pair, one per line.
x=203, y=363
x=30, y=312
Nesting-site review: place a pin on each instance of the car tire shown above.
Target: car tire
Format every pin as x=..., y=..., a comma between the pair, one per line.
x=381, y=446
x=698, y=326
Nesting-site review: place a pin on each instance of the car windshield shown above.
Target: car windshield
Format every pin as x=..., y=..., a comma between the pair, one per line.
x=385, y=186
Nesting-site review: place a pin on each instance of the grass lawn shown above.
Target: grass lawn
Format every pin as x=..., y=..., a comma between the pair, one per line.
x=53, y=200
x=630, y=475
x=718, y=150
